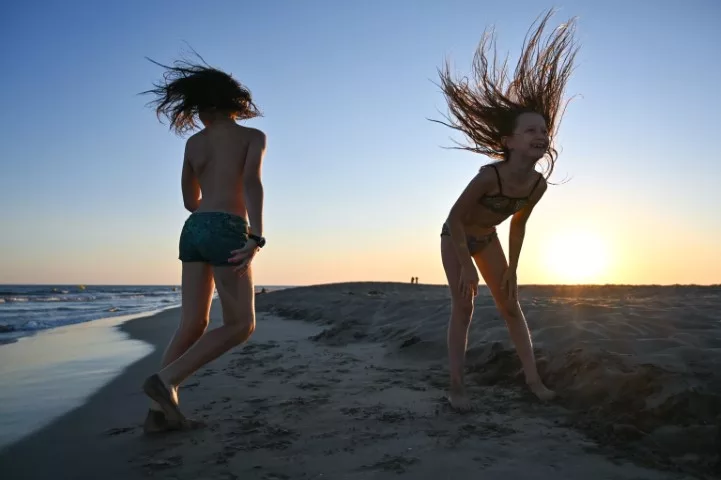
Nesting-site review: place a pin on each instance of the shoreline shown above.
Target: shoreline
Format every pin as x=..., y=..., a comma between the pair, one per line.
x=47, y=364
x=65, y=440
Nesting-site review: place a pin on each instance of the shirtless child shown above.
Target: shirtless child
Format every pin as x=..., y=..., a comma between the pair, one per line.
x=222, y=188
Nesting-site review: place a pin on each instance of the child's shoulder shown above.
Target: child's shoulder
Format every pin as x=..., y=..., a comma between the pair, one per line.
x=196, y=137
x=487, y=171
x=488, y=167
x=254, y=133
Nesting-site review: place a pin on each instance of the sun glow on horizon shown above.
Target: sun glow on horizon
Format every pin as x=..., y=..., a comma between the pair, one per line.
x=577, y=257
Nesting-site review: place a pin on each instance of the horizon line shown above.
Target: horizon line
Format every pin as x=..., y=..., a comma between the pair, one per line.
x=372, y=281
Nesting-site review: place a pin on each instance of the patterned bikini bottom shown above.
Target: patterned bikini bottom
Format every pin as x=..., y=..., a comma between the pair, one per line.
x=475, y=244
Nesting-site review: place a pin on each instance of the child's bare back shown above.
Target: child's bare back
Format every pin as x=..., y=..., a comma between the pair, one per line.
x=218, y=161
x=223, y=190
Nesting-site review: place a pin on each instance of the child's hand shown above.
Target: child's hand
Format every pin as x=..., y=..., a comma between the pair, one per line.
x=469, y=281
x=243, y=257
x=509, y=283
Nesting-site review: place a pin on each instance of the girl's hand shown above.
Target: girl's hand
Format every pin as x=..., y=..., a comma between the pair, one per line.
x=243, y=257
x=469, y=281
x=509, y=283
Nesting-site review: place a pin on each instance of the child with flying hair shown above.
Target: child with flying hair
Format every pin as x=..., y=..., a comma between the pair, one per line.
x=222, y=188
x=514, y=121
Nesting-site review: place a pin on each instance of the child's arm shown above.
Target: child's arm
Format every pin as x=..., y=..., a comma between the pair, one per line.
x=189, y=182
x=252, y=184
x=466, y=203
x=518, y=227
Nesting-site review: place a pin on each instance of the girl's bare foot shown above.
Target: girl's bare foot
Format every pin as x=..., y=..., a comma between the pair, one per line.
x=155, y=406
x=459, y=400
x=541, y=391
x=166, y=396
x=156, y=422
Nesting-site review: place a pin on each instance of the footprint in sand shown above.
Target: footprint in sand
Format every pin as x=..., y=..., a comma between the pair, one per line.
x=311, y=386
x=397, y=417
x=485, y=462
x=309, y=401
x=392, y=463
x=163, y=463
x=118, y=431
x=482, y=430
x=288, y=373
x=275, y=476
x=256, y=347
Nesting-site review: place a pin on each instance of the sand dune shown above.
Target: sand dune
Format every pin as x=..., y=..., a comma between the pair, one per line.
x=637, y=366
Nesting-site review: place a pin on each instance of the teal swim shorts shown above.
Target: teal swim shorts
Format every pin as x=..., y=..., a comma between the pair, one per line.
x=210, y=237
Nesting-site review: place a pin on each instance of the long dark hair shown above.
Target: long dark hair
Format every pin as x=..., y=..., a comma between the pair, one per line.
x=188, y=89
x=486, y=110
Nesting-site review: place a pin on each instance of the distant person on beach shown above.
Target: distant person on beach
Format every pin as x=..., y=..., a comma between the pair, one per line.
x=222, y=188
x=513, y=121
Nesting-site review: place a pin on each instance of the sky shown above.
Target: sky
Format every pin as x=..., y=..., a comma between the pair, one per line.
x=357, y=179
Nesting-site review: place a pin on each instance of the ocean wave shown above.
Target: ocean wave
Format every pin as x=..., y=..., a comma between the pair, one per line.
x=15, y=299
x=83, y=298
x=51, y=299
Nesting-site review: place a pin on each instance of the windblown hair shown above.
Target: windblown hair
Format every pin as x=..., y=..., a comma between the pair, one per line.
x=486, y=110
x=188, y=89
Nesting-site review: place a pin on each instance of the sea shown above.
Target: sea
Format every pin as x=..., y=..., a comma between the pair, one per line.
x=27, y=309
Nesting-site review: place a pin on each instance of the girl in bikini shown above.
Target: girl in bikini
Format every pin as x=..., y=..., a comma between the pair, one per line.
x=515, y=123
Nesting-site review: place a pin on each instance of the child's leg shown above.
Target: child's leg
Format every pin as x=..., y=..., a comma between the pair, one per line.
x=238, y=302
x=492, y=263
x=196, y=296
x=460, y=321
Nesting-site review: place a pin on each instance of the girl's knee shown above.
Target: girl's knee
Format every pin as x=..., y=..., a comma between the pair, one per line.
x=241, y=331
x=510, y=310
x=462, y=308
x=195, y=328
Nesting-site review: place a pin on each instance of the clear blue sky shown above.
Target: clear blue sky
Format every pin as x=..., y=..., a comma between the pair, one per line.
x=357, y=184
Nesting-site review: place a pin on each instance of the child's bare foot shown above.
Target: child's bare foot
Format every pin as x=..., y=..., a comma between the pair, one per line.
x=459, y=400
x=541, y=391
x=166, y=396
x=156, y=422
x=155, y=406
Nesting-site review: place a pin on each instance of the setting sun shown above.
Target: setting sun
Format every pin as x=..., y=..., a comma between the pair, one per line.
x=577, y=257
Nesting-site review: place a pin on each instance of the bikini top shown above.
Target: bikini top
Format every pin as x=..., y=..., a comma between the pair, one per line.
x=502, y=204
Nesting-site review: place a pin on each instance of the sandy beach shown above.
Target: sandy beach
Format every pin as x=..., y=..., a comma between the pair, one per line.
x=347, y=381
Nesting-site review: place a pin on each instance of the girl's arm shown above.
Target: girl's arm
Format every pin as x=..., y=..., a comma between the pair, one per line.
x=466, y=203
x=252, y=183
x=189, y=183
x=518, y=227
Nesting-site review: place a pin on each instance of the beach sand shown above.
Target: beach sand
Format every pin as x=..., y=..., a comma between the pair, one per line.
x=347, y=381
